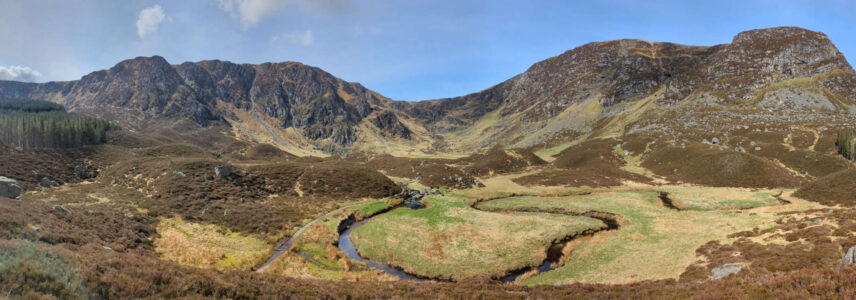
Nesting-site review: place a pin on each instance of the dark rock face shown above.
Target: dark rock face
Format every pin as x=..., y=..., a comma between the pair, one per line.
x=388, y=122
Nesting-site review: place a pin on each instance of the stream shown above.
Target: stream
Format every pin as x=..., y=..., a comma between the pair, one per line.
x=554, y=253
x=350, y=250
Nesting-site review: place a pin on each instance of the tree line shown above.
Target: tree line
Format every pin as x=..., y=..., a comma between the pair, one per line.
x=40, y=124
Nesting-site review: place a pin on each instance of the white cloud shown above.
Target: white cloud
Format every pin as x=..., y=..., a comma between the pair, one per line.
x=148, y=21
x=252, y=11
x=18, y=73
x=303, y=38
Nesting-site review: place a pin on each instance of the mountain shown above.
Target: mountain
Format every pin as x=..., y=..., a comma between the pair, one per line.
x=610, y=89
x=580, y=90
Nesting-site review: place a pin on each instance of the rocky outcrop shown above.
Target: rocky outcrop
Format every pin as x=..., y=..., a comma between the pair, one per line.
x=727, y=269
x=389, y=124
x=9, y=188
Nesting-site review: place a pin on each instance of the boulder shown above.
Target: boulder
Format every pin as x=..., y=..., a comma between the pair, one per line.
x=47, y=182
x=714, y=141
x=9, y=188
x=223, y=171
x=62, y=210
x=83, y=171
x=414, y=204
x=727, y=269
x=849, y=257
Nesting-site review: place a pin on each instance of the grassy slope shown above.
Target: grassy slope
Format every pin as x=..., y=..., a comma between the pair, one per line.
x=451, y=240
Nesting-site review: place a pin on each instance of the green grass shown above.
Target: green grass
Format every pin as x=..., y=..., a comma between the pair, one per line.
x=710, y=198
x=652, y=243
x=450, y=240
x=370, y=208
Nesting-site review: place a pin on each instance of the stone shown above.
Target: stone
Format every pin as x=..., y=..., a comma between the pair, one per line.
x=179, y=174
x=82, y=171
x=223, y=171
x=757, y=148
x=714, y=140
x=415, y=205
x=423, y=163
x=705, y=141
x=849, y=257
x=727, y=269
x=62, y=210
x=46, y=182
x=9, y=188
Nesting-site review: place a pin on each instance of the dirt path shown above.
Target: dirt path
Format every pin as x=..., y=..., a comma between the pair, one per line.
x=285, y=246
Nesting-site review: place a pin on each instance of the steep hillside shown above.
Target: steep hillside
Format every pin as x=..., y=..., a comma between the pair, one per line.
x=603, y=87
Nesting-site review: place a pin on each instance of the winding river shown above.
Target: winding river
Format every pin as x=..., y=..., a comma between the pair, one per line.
x=554, y=252
x=350, y=250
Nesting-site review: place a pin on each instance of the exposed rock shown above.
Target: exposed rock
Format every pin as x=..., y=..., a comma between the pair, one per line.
x=62, y=210
x=47, y=182
x=849, y=257
x=9, y=188
x=389, y=124
x=223, y=171
x=83, y=171
x=727, y=269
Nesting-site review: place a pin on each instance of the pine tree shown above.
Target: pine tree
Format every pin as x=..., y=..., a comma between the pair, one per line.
x=40, y=124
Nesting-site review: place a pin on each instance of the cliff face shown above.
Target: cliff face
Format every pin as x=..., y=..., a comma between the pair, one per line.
x=778, y=69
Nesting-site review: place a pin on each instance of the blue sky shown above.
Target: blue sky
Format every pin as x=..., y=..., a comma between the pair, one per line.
x=406, y=50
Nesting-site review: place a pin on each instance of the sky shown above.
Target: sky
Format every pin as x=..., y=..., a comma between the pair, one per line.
x=403, y=49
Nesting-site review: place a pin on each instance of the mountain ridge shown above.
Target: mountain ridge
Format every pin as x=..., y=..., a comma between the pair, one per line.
x=305, y=109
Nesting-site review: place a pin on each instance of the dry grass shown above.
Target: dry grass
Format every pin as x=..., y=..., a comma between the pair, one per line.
x=207, y=246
